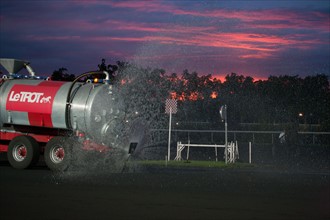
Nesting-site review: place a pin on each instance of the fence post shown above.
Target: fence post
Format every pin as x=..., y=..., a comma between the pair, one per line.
x=250, y=152
x=216, y=154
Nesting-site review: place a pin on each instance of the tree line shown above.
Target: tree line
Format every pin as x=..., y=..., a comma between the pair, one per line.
x=278, y=100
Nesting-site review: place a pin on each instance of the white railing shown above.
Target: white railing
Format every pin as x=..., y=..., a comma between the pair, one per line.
x=231, y=156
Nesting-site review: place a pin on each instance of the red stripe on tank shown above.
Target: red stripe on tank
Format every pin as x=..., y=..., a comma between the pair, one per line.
x=57, y=84
x=40, y=120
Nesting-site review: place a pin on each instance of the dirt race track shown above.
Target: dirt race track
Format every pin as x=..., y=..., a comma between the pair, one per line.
x=164, y=194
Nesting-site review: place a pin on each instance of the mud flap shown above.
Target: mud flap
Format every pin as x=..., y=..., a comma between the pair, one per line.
x=132, y=147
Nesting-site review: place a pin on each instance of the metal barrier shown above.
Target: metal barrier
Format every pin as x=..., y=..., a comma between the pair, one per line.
x=217, y=136
x=231, y=156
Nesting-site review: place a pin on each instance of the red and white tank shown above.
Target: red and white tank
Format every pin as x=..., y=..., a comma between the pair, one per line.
x=86, y=107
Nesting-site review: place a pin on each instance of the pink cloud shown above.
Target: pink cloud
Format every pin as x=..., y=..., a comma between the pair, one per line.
x=147, y=6
x=244, y=35
x=57, y=38
x=155, y=27
x=279, y=18
x=196, y=36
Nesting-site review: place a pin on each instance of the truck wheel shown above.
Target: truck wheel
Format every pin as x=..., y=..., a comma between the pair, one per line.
x=23, y=152
x=58, y=153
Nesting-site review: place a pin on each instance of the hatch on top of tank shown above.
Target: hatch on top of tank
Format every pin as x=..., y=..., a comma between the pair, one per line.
x=13, y=66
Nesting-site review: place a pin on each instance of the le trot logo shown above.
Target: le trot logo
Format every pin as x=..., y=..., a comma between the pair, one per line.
x=31, y=98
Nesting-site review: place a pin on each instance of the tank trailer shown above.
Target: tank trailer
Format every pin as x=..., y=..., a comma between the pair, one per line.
x=57, y=119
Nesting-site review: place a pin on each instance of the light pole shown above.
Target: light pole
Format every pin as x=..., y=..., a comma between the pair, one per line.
x=169, y=136
x=223, y=114
x=170, y=108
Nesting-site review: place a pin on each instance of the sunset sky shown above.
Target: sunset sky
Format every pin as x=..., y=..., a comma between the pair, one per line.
x=252, y=38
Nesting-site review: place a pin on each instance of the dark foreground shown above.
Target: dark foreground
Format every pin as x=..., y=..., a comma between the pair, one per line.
x=164, y=194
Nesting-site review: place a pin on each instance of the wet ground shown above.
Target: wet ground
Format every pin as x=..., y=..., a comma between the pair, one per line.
x=249, y=193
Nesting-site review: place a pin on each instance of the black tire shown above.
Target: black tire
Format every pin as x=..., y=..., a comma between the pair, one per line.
x=23, y=152
x=58, y=153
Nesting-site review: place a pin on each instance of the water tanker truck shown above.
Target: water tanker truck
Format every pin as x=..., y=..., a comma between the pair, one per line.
x=57, y=119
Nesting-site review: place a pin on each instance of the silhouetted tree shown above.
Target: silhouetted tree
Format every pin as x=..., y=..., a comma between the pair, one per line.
x=61, y=75
x=278, y=99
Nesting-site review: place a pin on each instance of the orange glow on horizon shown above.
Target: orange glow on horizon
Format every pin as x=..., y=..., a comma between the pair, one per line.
x=173, y=95
x=214, y=95
x=222, y=77
x=193, y=96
